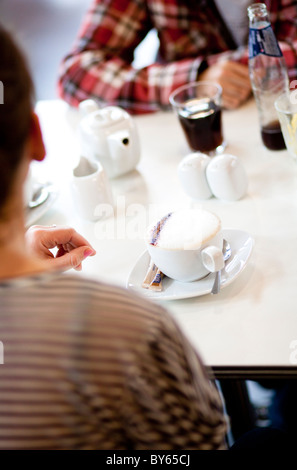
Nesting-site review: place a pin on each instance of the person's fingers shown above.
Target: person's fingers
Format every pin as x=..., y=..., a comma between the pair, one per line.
x=65, y=235
x=234, y=80
x=46, y=238
x=71, y=247
x=230, y=103
x=60, y=252
x=235, y=89
x=73, y=259
x=233, y=97
x=230, y=79
x=232, y=83
x=239, y=69
x=231, y=100
x=235, y=92
x=227, y=70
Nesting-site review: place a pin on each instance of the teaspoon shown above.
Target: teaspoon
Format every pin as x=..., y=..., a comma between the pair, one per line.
x=226, y=254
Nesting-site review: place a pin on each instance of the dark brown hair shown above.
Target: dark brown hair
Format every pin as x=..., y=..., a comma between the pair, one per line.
x=15, y=110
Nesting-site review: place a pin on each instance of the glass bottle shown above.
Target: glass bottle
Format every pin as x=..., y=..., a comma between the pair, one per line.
x=268, y=74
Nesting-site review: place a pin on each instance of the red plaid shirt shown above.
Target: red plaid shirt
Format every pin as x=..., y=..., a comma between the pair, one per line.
x=192, y=35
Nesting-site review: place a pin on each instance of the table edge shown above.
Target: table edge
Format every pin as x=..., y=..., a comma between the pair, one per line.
x=252, y=372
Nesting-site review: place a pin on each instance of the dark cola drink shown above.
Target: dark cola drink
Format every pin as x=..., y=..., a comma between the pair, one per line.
x=268, y=74
x=272, y=136
x=202, y=124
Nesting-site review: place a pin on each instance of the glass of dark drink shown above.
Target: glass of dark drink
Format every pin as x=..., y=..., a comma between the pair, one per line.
x=198, y=107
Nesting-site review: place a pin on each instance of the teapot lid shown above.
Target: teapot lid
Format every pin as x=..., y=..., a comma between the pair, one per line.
x=87, y=106
x=106, y=117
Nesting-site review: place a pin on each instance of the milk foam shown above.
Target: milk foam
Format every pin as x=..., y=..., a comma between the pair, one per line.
x=184, y=230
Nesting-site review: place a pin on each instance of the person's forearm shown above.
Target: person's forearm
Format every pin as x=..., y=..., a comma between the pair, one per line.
x=113, y=81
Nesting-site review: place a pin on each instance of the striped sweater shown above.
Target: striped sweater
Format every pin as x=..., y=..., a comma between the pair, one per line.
x=90, y=366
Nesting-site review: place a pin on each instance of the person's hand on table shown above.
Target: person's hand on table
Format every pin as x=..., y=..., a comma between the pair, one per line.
x=71, y=247
x=233, y=78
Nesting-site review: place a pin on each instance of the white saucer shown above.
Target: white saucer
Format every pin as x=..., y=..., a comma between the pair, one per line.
x=241, y=245
x=32, y=215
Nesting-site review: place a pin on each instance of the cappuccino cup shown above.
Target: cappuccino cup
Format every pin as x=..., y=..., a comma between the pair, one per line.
x=186, y=245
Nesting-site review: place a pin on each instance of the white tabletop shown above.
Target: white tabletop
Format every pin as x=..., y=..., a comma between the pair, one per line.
x=253, y=321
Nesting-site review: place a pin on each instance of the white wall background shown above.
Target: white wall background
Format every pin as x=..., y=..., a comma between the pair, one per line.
x=46, y=30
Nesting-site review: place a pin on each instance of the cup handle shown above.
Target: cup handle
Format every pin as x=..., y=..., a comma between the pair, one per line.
x=212, y=258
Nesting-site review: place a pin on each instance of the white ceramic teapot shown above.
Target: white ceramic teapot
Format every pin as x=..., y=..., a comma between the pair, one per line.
x=109, y=135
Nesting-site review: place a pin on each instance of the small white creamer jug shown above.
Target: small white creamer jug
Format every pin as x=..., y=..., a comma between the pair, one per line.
x=91, y=191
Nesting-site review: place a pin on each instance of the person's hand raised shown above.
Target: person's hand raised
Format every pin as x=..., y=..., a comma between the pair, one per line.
x=234, y=80
x=71, y=247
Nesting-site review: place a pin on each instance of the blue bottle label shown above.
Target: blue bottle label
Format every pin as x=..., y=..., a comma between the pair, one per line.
x=263, y=41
